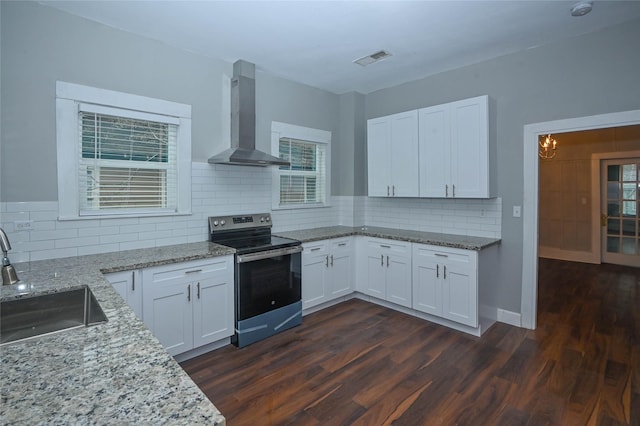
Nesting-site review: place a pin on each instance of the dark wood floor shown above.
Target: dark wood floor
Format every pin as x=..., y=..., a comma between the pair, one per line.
x=361, y=364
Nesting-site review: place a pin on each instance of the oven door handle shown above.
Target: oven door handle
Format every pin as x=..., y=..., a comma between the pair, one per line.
x=268, y=254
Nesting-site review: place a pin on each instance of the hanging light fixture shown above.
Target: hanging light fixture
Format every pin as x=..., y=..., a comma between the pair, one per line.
x=547, y=147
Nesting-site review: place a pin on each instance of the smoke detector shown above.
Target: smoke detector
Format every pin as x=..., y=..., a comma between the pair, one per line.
x=581, y=8
x=374, y=57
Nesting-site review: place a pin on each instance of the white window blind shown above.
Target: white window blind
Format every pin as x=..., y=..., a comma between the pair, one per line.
x=303, y=182
x=128, y=162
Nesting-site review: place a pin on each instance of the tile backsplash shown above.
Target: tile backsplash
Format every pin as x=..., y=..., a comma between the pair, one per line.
x=225, y=190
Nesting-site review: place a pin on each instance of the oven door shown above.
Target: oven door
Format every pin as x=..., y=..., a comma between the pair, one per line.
x=267, y=280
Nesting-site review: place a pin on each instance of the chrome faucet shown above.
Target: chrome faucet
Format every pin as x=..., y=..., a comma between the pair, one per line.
x=9, y=275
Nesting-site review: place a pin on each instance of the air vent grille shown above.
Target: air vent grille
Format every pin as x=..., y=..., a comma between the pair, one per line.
x=374, y=57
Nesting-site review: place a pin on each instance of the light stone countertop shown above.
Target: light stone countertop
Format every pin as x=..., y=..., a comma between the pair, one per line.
x=444, y=240
x=111, y=373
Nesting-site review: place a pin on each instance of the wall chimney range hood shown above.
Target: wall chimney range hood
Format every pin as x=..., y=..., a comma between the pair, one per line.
x=243, y=150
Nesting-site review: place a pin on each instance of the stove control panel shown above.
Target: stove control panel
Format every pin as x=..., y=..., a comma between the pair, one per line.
x=260, y=220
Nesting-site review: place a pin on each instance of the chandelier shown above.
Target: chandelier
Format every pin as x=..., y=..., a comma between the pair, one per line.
x=547, y=147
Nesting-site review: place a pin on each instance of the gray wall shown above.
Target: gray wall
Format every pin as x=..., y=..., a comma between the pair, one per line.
x=41, y=45
x=587, y=75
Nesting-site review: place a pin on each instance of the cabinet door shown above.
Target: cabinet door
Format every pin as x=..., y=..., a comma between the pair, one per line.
x=169, y=315
x=427, y=285
x=404, y=154
x=378, y=156
x=340, y=280
x=213, y=309
x=434, y=151
x=470, y=148
x=315, y=263
x=376, y=274
x=399, y=280
x=128, y=284
x=459, y=293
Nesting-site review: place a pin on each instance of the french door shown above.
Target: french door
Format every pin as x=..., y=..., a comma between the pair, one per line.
x=620, y=185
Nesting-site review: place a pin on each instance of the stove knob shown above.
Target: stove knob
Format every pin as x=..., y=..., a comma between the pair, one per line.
x=261, y=218
x=268, y=219
x=215, y=223
x=222, y=222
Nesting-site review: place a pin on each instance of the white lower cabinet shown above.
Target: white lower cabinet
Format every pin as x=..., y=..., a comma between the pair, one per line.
x=327, y=270
x=388, y=271
x=128, y=285
x=445, y=283
x=190, y=304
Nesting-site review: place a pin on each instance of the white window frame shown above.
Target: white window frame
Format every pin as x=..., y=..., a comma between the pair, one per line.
x=284, y=130
x=69, y=97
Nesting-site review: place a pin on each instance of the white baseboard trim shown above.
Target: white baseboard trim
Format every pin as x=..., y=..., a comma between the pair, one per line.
x=202, y=350
x=509, y=317
x=569, y=255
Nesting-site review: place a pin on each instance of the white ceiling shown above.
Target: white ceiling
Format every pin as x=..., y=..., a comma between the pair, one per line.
x=316, y=42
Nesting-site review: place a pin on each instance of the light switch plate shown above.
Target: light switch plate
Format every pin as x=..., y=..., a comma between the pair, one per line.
x=517, y=210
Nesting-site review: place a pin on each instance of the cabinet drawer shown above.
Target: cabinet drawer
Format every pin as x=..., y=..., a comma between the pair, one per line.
x=315, y=248
x=341, y=245
x=389, y=245
x=441, y=255
x=195, y=269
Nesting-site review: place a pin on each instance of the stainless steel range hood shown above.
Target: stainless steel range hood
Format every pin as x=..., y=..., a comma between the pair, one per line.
x=243, y=150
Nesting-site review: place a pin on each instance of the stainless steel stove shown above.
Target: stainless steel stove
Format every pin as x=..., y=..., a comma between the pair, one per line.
x=268, y=276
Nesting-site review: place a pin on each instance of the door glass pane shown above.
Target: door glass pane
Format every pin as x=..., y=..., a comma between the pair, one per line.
x=629, y=227
x=629, y=191
x=613, y=208
x=628, y=246
x=613, y=191
x=629, y=173
x=629, y=208
x=613, y=244
x=613, y=226
x=613, y=173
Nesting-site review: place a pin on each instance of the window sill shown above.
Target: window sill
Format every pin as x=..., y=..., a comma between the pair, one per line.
x=122, y=216
x=301, y=206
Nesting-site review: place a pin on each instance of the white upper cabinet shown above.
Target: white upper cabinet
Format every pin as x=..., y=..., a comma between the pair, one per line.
x=392, y=143
x=455, y=150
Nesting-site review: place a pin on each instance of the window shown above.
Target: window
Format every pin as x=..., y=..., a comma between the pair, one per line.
x=121, y=154
x=305, y=182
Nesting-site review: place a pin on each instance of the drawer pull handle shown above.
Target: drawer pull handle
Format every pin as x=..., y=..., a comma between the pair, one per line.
x=193, y=271
x=315, y=249
x=342, y=244
x=442, y=255
x=384, y=246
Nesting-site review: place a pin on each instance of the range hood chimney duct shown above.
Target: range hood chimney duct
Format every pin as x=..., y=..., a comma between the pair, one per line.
x=243, y=150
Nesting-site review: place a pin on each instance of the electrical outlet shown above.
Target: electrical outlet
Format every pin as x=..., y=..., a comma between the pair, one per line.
x=517, y=211
x=23, y=225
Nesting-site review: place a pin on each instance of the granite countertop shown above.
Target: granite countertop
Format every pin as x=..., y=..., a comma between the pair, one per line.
x=445, y=240
x=115, y=372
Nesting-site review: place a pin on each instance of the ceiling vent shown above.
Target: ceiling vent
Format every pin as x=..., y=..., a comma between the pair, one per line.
x=374, y=57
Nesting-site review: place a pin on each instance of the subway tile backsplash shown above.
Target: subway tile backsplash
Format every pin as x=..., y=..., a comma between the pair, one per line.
x=227, y=190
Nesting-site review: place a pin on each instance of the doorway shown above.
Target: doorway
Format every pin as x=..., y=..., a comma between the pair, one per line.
x=620, y=185
x=530, y=195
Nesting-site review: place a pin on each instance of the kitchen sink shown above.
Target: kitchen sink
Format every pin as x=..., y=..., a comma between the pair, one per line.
x=33, y=316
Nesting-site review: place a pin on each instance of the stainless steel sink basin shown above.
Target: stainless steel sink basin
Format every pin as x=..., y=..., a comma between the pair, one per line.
x=48, y=313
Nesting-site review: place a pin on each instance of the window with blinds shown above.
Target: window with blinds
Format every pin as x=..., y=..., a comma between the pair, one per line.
x=303, y=182
x=126, y=164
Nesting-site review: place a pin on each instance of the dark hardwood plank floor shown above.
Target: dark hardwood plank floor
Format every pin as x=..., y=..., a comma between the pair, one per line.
x=359, y=363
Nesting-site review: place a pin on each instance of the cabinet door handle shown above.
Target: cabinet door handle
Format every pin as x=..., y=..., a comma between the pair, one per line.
x=442, y=255
x=315, y=249
x=454, y=190
x=189, y=293
x=326, y=261
x=332, y=261
x=437, y=271
x=382, y=259
x=133, y=280
x=193, y=271
x=393, y=190
x=198, y=289
x=446, y=190
x=387, y=190
x=445, y=271
x=387, y=261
